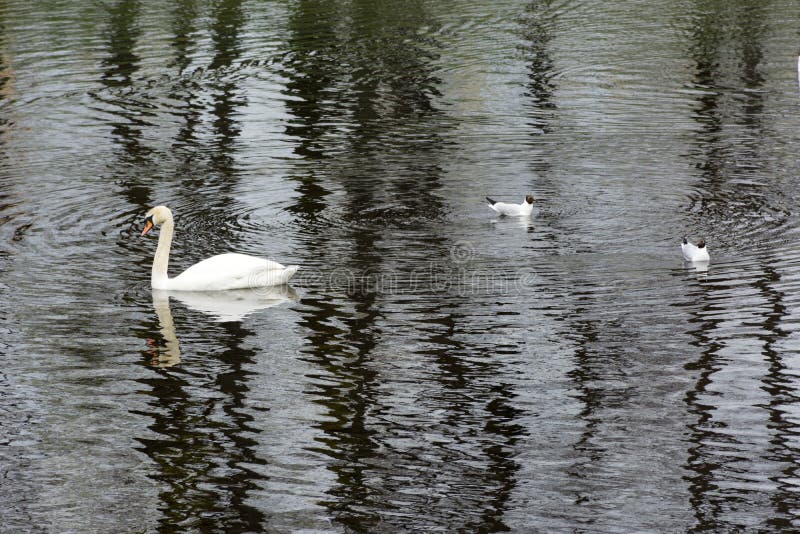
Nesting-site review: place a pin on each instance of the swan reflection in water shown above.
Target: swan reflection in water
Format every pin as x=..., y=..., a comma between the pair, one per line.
x=221, y=306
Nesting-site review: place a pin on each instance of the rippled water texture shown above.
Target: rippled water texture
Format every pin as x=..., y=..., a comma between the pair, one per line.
x=432, y=368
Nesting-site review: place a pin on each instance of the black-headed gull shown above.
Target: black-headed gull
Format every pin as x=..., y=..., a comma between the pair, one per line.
x=514, y=210
x=695, y=252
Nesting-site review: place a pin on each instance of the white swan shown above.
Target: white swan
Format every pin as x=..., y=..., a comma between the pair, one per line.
x=695, y=252
x=225, y=271
x=515, y=210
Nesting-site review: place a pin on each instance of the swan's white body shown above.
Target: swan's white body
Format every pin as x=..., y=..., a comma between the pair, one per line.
x=217, y=273
x=694, y=253
x=513, y=210
x=227, y=271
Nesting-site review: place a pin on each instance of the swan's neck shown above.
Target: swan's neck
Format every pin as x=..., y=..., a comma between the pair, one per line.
x=158, y=276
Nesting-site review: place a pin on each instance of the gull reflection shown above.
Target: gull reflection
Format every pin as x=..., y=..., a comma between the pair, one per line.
x=221, y=306
x=699, y=266
x=525, y=223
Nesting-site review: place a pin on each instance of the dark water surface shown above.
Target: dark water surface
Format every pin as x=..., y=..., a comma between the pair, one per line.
x=432, y=368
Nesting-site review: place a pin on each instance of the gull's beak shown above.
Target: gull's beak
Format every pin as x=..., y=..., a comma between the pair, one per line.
x=148, y=225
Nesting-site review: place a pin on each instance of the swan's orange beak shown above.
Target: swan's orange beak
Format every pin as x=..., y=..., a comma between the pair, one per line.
x=148, y=225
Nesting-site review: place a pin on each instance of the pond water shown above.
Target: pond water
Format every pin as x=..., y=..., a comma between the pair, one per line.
x=432, y=368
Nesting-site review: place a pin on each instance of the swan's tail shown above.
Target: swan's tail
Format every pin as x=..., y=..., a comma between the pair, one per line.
x=273, y=277
x=284, y=275
x=289, y=272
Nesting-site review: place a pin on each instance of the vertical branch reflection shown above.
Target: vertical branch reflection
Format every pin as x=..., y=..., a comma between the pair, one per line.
x=719, y=452
x=228, y=20
x=214, y=189
x=184, y=14
x=707, y=511
x=586, y=379
x=119, y=67
x=6, y=80
x=595, y=369
x=717, y=109
x=201, y=446
x=536, y=27
x=311, y=74
x=472, y=393
x=723, y=29
x=346, y=353
x=537, y=34
x=363, y=86
x=186, y=146
x=717, y=113
x=781, y=384
x=124, y=32
x=202, y=451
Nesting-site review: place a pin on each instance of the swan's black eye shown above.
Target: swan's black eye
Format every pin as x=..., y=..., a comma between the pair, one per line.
x=149, y=218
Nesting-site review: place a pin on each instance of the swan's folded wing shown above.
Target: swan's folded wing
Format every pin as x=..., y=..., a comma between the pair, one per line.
x=225, y=271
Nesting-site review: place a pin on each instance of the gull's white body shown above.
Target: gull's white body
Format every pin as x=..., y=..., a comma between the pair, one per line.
x=512, y=210
x=693, y=253
x=217, y=273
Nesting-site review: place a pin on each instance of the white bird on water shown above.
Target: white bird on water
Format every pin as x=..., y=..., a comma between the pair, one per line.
x=513, y=210
x=217, y=273
x=695, y=252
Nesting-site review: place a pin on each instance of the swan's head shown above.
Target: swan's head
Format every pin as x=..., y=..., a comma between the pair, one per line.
x=156, y=217
x=529, y=199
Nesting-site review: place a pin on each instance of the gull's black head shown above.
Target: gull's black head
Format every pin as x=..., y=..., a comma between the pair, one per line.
x=529, y=199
